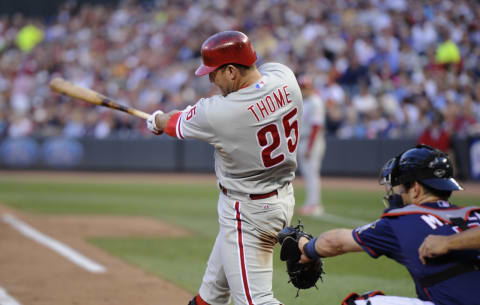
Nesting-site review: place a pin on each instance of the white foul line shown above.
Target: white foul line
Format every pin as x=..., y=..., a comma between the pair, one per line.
x=55, y=245
x=5, y=299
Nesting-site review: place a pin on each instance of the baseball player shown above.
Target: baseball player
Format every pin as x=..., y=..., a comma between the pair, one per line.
x=419, y=183
x=312, y=147
x=254, y=126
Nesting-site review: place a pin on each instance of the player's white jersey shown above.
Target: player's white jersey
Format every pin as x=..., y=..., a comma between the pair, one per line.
x=255, y=131
x=313, y=114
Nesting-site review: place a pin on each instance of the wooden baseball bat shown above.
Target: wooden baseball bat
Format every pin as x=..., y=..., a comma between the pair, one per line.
x=60, y=85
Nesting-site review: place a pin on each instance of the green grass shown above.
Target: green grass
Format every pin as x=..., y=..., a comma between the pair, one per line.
x=183, y=260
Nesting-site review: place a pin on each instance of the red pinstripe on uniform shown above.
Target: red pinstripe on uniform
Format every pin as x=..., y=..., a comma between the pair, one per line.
x=427, y=293
x=242, y=254
x=370, y=250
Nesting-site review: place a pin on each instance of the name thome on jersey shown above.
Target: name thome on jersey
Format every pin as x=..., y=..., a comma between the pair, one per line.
x=271, y=103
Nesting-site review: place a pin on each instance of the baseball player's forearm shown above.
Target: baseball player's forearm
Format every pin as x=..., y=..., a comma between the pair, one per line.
x=435, y=245
x=336, y=242
x=161, y=120
x=465, y=240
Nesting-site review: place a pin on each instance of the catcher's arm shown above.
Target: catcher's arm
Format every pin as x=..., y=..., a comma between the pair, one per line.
x=330, y=243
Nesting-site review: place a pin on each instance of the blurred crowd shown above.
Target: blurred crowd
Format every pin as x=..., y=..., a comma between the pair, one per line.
x=384, y=68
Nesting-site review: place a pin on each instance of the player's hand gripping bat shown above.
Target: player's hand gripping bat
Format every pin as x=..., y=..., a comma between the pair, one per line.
x=65, y=87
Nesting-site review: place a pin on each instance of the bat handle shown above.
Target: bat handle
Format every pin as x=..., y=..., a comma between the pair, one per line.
x=107, y=102
x=139, y=113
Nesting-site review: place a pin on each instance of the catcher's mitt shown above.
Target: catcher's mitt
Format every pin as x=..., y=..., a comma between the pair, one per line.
x=302, y=276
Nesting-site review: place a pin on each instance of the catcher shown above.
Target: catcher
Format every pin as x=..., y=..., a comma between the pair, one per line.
x=419, y=183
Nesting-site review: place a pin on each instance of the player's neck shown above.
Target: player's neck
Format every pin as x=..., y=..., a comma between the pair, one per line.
x=249, y=79
x=427, y=198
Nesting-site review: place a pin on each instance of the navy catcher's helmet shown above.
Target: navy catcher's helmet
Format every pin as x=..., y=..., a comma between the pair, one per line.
x=424, y=164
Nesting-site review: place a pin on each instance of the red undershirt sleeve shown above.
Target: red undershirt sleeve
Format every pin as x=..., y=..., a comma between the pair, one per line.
x=173, y=127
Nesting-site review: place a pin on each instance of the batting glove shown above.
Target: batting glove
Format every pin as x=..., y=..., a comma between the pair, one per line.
x=152, y=124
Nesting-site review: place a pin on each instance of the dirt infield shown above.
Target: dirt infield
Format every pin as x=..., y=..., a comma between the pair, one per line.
x=35, y=274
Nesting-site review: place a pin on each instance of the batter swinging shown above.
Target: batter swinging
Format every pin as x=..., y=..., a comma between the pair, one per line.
x=254, y=126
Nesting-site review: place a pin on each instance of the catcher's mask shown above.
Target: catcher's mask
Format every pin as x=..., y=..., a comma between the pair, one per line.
x=424, y=164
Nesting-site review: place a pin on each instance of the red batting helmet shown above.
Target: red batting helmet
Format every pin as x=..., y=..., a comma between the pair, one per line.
x=228, y=47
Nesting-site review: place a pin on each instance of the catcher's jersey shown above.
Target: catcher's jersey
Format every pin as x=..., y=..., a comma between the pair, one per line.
x=398, y=236
x=313, y=114
x=255, y=131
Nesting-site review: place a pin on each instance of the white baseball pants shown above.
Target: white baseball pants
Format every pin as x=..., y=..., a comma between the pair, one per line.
x=392, y=300
x=241, y=262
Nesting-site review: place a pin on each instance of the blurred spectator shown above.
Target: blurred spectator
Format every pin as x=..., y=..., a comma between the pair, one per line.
x=364, y=102
x=28, y=37
x=436, y=135
x=3, y=124
x=464, y=122
x=20, y=126
x=447, y=51
x=353, y=75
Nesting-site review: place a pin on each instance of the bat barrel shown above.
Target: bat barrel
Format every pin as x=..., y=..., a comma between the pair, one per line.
x=65, y=87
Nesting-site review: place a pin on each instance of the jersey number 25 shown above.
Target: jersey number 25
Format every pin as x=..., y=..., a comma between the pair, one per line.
x=272, y=129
